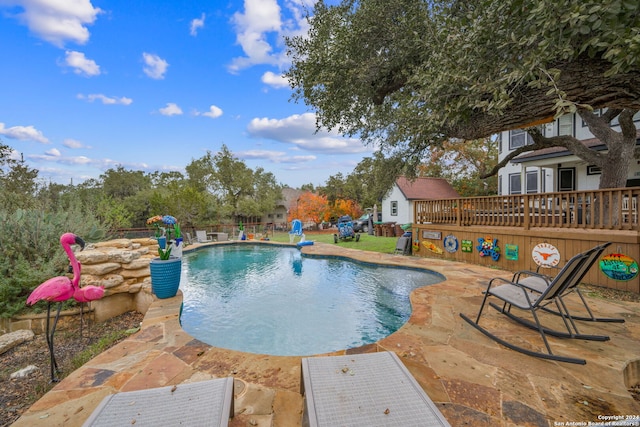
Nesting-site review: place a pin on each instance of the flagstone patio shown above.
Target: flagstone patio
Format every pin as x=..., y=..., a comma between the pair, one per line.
x=473, y=380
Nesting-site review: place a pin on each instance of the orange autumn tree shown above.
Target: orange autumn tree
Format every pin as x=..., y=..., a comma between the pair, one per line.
x=308, y=207
x=343, y=207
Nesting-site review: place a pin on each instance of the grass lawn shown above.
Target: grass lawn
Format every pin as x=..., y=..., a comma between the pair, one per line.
x=367, y=242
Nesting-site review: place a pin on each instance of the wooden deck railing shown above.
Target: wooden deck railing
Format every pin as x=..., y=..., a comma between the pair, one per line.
x=615, y=209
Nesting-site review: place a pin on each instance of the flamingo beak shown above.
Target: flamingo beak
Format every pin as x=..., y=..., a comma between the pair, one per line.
x=80, y=242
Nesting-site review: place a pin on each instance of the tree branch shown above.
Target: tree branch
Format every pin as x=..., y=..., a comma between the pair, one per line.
x=537, y=145
x=583, y=81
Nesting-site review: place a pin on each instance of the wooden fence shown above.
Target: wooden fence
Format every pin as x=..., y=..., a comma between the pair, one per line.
x=570, y=221
x=615, y=209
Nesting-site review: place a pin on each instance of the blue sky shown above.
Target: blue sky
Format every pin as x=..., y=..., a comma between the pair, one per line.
x=89, y=85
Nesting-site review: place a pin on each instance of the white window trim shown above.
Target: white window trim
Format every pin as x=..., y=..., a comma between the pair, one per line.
x=527, y=174
x=394, y=208
x=511, y=189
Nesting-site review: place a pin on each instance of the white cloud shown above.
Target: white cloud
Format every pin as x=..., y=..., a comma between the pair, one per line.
x=155, y=67
x=106, y=99
x=261, y=28
x=275, y=80
x=196, y=24
x=79, y=168
x=259, y=18
x=23, y=133
x=72, y=143
x=259, y=154
x=80, y=64
x=300, y=130
x=101, y=164
x=273, y=156
x=78, y=160
x=54, y=152
x=214, y=112
x=57, y=21
x=171, y=110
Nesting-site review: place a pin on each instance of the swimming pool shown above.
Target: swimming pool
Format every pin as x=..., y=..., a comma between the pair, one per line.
x=272, y=300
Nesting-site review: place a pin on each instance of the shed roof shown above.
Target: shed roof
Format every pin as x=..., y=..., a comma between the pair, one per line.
x=426, y=188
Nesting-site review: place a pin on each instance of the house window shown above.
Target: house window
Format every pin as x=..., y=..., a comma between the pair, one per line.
x=394, y=208
x=565, y=125
x=499, y=142
x=279, y=216
x=515, y=183
x=594, y=170
x=532, y=181
x=500, y=184
x=519, y=138
x=566, y=179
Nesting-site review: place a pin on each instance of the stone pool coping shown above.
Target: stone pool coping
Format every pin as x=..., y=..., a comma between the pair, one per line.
x=472, y=379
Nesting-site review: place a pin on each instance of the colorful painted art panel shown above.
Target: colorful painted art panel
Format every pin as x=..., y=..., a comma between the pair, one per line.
x=489, y=247
x=511, y=252
x=432, y=247
x=619, y=267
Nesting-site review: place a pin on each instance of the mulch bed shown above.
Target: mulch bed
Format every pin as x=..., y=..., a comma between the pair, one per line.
x=17, y=395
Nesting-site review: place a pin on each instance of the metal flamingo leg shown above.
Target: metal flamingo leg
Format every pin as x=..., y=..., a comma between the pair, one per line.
x=81, y=319
x=54, y=364
x=89, y=322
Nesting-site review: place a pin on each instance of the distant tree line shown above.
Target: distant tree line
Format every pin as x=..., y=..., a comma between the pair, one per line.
x=215, y=189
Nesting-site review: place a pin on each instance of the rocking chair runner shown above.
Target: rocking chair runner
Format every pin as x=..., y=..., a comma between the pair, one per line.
x=540, y=282
x=526, y=298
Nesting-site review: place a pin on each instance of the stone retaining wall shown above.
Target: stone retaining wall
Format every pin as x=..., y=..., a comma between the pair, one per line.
x=121, y=266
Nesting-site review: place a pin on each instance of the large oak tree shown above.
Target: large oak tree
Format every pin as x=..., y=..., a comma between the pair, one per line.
x=411, y=74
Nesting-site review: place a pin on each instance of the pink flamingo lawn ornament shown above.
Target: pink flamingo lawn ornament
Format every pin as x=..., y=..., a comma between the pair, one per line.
x=86, y=294
x=58, y=289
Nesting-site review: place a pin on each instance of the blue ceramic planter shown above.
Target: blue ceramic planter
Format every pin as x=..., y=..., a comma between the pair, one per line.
x=165, y=276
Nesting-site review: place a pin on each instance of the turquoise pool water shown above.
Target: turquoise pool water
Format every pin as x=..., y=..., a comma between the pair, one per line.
x=272, y=300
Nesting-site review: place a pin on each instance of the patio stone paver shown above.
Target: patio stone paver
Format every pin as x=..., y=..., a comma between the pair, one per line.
x=473, y=380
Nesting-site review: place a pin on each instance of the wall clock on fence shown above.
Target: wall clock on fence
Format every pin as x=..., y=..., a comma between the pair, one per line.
x=545, y=255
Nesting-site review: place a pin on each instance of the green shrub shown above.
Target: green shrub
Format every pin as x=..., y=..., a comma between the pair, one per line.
x=30, y=251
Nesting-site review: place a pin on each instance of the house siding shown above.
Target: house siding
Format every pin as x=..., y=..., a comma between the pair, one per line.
x=404, y=192
x=405, y=207
x=547, y=169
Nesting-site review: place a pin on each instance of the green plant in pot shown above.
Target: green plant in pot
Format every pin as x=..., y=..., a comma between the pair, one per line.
x=166, y=269
x=165, y=253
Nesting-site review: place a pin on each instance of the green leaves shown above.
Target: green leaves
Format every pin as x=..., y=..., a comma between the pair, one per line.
x=31, y=253
x=410, y=73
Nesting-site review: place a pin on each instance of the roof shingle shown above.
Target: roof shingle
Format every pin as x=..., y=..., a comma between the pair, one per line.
x=426, y=188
